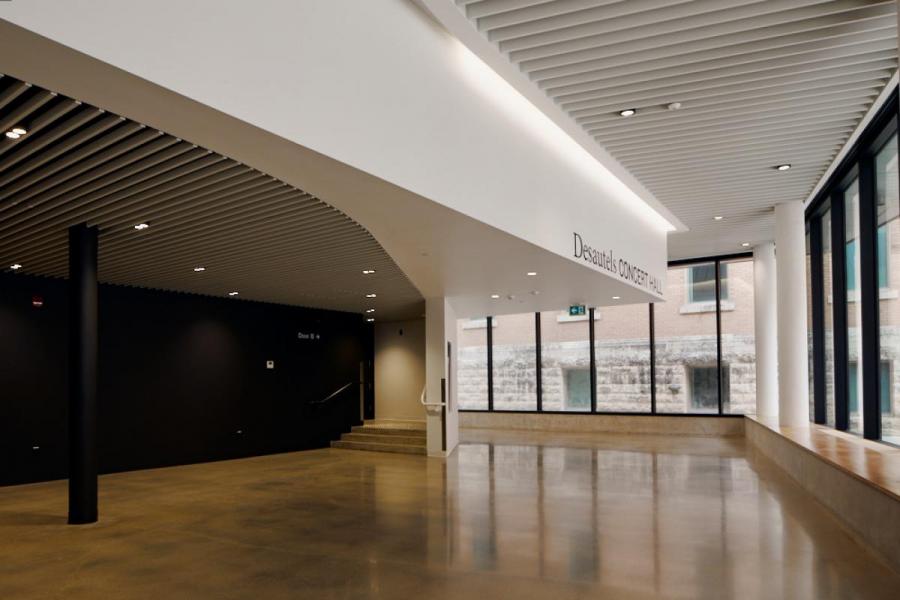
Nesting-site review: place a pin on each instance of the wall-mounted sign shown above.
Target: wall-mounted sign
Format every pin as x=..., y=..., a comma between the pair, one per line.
x=576, y=310
x=605, y=260
x=308, y=336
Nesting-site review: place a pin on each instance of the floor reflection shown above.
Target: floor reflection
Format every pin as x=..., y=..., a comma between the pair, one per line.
x=651, y=516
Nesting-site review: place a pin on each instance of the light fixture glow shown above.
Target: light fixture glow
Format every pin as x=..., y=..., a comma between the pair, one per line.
x=370, y=320
x=617, y=297
x=368, y=271
x=495, y=296
x=531, y=273
x=745, y=244
x=15, y=266
x=199, y=269
x=718, y=218
x=627, y=112
x=13, y=135
x=232, y=293
x=19, y=130
x=673, y=105
x=783, y=167
x=370, y=310
x=371, y=295
x=142, y=226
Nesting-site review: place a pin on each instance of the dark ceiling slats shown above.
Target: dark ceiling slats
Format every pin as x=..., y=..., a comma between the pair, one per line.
x=254, y=233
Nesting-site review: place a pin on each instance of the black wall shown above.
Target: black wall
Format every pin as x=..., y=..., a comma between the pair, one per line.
x=180, y=376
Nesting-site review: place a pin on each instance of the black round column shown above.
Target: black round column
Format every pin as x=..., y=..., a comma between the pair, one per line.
x=82, y=374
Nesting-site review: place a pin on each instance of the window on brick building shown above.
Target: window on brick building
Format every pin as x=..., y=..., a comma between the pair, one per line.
x=578, y=389
x=701, y=281
x=704, y=392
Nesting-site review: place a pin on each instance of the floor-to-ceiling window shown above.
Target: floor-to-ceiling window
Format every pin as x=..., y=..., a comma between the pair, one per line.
x=827, y=299
x=622, y=354
x=738, y=335
x=472, y=370
x=514, y=362
x=687, y=370
x=857, y=212
x=565, y=362
x=888, y=249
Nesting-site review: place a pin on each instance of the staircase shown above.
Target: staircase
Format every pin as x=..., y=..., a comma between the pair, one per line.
x=402, y=437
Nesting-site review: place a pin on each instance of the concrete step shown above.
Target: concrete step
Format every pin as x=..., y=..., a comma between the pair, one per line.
x=416, y=440
x=373, y=447
x=376, y=430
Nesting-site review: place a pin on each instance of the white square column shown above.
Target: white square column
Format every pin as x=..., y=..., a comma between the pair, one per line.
x=442, y=408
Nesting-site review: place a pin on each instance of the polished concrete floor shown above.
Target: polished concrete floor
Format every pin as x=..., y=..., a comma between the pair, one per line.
x=510, y=515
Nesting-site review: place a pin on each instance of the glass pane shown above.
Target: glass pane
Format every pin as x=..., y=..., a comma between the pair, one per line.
x=809, y=329
x=515, y=363
x=565, y=362
x=472, y=364
x=686, y=344
x=829, y=318
x=622, y=351
x=854, y=339
x=738, y=338
x=888, y=206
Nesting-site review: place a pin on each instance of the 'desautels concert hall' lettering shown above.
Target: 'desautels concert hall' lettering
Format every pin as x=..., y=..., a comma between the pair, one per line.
x=604, y=259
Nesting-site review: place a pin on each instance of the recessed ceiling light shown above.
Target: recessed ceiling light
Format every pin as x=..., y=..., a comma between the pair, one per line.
x=718, y=218
x=784, y=167
x=531, y=273
x=232, y=293
x=15, y=267
x=535, y=292
x=370, y=320
x=745, y=244
x=495, y=296
x=12, y=135
x=627, y=112
x=370, y=310
x=368, y=271
x=142, y=226
x=617, y=297
x=673, y=105
x=19, y=131
x=371, y=295
x=199, y=269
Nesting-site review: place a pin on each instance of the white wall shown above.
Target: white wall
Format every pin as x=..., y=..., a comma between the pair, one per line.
x=399, y=369
x=378, y=86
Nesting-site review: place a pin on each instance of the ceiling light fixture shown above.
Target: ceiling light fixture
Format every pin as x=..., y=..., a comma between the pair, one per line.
x=617, y=297
x=370, y=320
x=627, y=112
x=16, y=132
x=368, y=271
x=784, y=167
x=232, y=293
x=199, y=269
x=673, y=105
x=495, y=296
x=19, y=130
x=15, y=266
x=371, y=295
x=531, y=273
x=370, y=310
x=12, y=136
x=142, y=226
x=718, y=218
x=745, y=244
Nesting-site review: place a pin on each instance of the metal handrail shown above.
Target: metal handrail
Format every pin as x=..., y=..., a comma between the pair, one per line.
x=333, y=394
x=422, y=399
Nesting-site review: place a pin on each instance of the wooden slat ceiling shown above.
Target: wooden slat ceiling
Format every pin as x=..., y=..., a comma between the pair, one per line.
x=253, y=234
x=760, y=82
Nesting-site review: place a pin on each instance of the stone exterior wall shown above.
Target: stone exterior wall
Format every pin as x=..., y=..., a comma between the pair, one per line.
x=623, y=374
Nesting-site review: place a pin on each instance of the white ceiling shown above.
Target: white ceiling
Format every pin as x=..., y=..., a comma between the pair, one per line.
x=761, y=83
x=251, y=232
